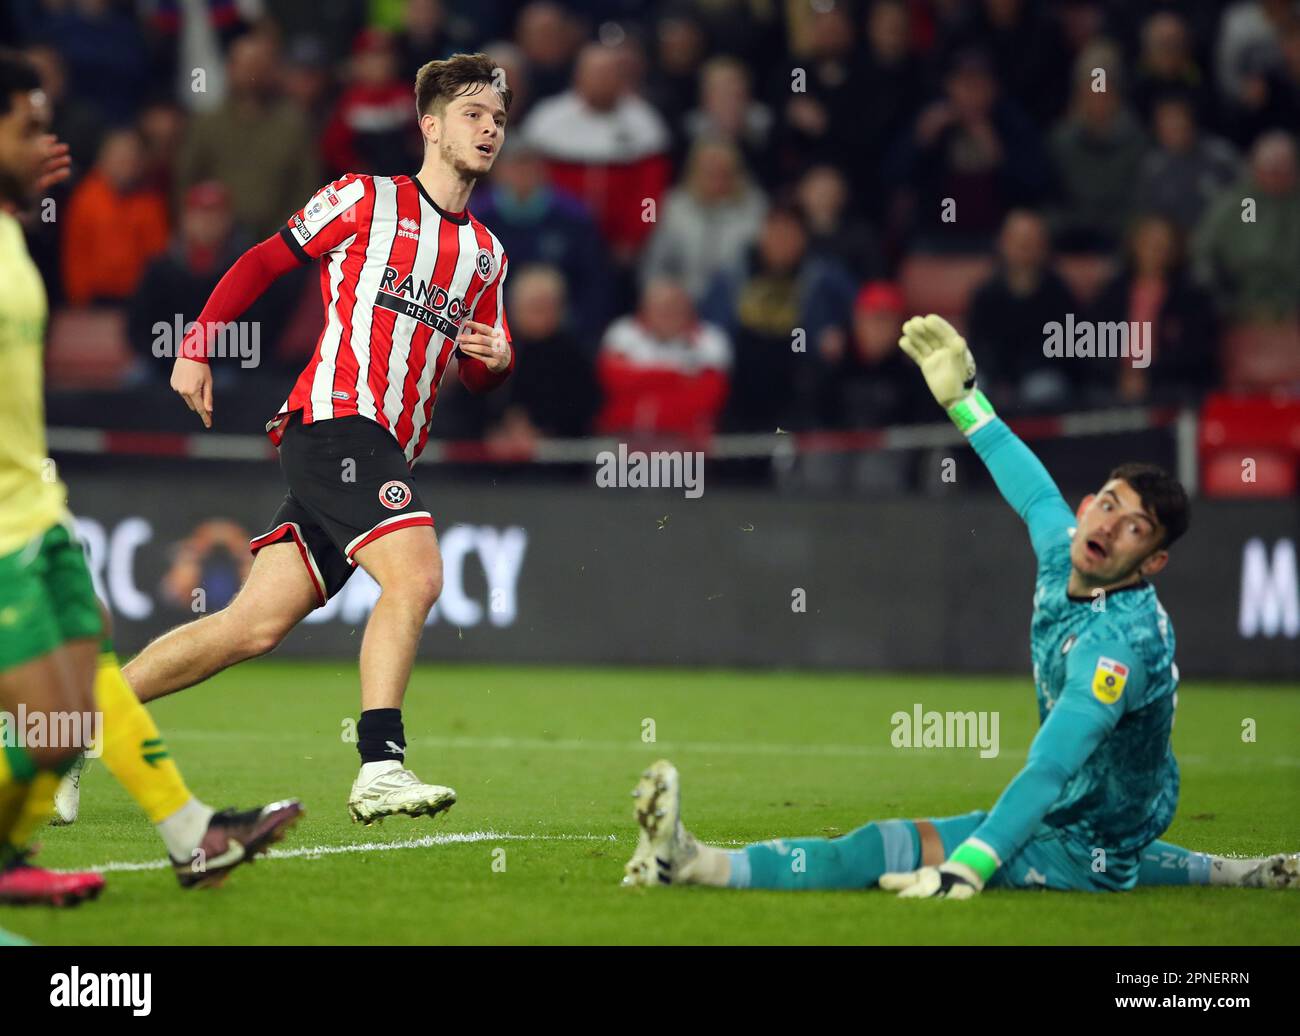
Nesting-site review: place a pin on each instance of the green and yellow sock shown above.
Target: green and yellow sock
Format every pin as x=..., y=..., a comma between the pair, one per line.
x=137, y=756
x=133, y=750
x=16, y=773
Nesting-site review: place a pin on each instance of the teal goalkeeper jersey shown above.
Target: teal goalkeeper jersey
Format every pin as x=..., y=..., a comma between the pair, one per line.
x=1101, y=769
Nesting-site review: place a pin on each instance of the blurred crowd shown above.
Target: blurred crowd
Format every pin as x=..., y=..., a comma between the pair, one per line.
x=718, y=212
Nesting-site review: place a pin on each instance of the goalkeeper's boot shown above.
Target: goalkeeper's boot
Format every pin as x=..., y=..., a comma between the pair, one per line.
x=665, y=849
x=67, y=797
x=1276, y=872
x=22, y=884
x=233, y=838
x=387, y=789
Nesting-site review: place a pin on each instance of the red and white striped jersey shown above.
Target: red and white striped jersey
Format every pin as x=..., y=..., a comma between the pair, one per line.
x=398, y=276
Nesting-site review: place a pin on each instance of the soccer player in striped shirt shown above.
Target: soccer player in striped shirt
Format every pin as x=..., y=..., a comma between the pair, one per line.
x=409, y=278
x=1100, y=785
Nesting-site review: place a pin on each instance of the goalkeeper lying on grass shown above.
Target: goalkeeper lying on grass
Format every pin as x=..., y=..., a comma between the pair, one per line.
x=1100, y=785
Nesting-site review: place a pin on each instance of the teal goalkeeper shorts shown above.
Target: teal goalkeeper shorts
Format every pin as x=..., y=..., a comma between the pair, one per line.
x=1052, y=859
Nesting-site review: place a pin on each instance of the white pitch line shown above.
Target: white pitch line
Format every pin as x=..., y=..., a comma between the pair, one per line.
x=670, y=747
x=318, y=851
x=568, y=744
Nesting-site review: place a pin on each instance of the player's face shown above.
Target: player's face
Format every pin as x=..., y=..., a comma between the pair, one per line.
x=1116, y=537
x=472, y=132
x=22, y=145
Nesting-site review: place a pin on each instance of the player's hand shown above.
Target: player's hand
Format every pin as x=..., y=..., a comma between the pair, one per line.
x=486, y=343
x=56, y=167
x=192, y=379
x=942, y=355
x=57, y=164
x=947, y=881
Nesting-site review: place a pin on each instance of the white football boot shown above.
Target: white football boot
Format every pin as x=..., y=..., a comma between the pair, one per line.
x=1276, y=872
x=67, y=797
x=665, y=847
x=387, y=789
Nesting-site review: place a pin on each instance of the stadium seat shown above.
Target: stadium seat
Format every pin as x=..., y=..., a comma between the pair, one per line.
x=88, y=349
x=1264, y=430
x=1262, y=357
x=943, y=284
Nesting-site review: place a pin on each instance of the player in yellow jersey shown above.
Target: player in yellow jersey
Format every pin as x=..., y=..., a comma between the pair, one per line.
x=61, y=690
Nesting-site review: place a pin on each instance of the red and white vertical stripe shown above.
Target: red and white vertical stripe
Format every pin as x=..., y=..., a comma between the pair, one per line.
x=370, y=360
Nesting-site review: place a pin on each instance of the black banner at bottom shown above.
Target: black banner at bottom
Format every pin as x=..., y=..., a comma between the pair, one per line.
x=303, y=985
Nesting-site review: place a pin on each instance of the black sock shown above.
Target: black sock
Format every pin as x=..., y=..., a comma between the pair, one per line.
x=380, y=736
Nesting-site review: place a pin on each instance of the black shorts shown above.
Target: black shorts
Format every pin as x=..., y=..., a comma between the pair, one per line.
x=349, y=484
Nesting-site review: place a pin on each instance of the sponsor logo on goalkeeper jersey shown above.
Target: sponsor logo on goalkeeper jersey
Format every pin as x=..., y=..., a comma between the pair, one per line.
x=1108, y=680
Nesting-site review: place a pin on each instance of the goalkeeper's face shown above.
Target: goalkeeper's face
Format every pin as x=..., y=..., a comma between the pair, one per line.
x=1118, y=540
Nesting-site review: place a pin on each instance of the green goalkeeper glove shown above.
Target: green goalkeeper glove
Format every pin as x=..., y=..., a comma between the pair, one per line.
x=949, y=369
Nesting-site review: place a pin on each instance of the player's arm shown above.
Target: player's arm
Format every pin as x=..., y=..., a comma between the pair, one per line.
x=485, y=355
x=949, y=370
x=321, y=225
x=242, y=284
x=1099, y=675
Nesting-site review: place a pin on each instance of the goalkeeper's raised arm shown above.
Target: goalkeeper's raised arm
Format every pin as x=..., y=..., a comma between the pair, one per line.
x=949, y=369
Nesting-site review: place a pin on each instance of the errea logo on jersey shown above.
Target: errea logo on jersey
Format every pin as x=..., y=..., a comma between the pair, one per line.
x=407, y=227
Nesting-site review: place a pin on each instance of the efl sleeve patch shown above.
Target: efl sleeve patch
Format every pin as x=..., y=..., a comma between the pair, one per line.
x=330, y=217
x=1108, y=680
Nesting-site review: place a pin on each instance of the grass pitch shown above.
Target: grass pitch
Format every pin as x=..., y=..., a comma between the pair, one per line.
x=543, y=761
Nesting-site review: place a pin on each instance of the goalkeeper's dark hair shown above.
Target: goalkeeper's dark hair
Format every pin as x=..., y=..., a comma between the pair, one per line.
x=1161, y=494
x=17, y=76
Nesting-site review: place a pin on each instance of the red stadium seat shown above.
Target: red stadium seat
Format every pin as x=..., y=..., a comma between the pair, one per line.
x=1262, y=357
x=1235, y=429
x=1274, y=474
x=943, y=284
x=87, y=348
